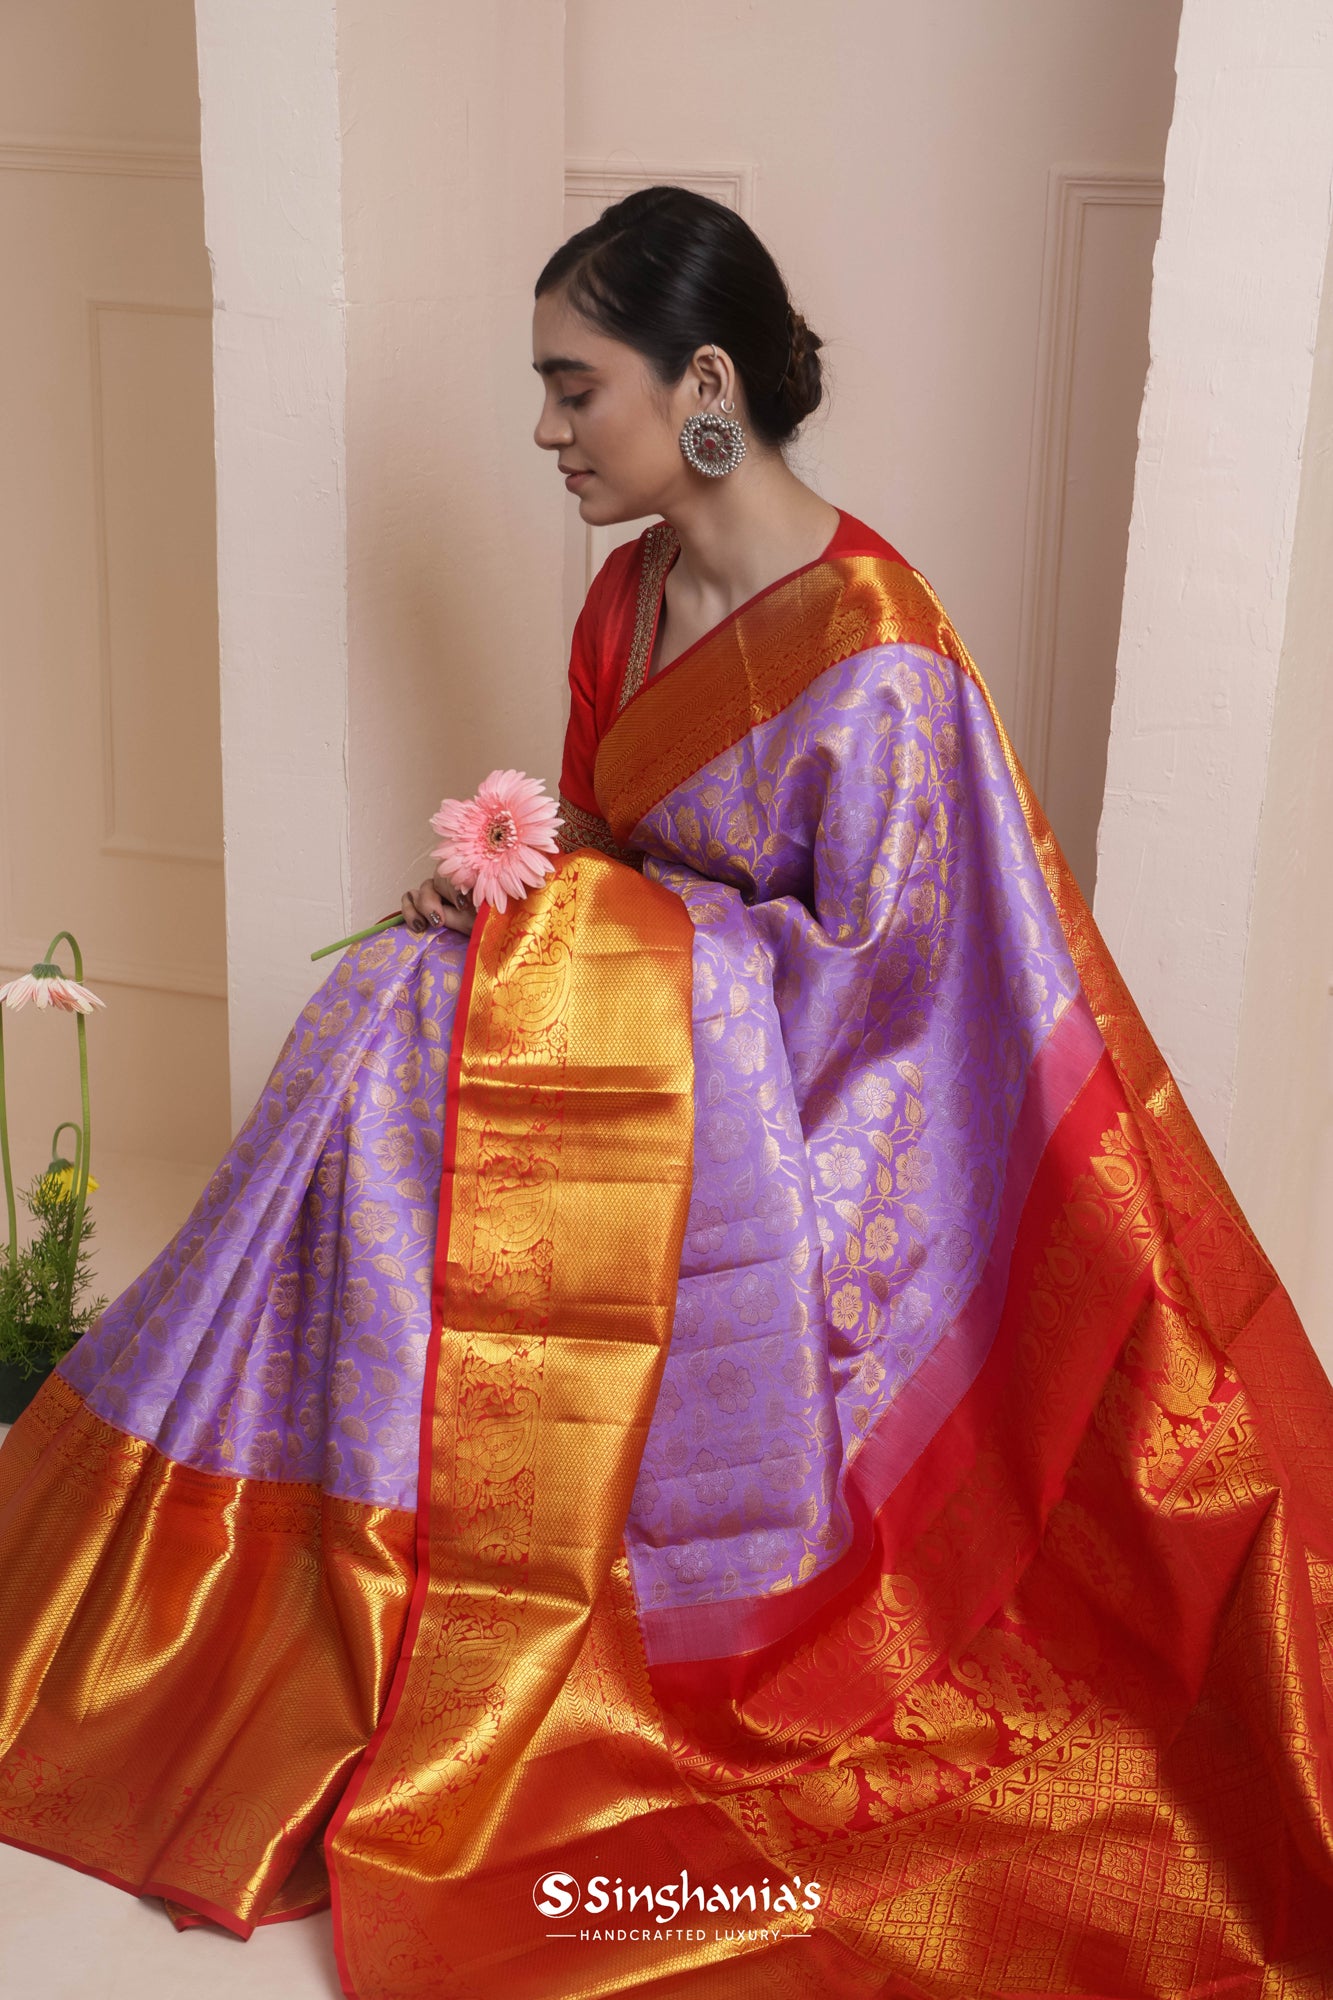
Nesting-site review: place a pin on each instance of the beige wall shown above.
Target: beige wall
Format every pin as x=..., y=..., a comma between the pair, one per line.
x=110, y=805
x=453, y=124
x=112, y=72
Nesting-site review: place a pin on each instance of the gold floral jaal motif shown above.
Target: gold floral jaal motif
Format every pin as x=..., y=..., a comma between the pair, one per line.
x=567, y=1177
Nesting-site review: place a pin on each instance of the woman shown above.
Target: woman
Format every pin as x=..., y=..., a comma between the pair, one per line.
x=727, y=1433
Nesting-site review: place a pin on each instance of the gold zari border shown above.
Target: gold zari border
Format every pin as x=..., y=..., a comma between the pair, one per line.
x=567, y=1197
x=157, y=1714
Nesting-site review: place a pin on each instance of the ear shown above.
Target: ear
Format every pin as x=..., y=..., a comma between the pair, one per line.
x=716, y=376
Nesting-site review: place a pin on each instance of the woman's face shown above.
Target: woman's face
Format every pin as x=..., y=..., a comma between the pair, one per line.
x=606, y=416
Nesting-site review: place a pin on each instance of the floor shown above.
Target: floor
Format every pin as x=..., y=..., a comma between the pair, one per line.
x=67, y=1936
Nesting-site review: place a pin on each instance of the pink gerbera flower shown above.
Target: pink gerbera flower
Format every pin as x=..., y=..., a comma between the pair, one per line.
x=47, y=986
x=496, y=844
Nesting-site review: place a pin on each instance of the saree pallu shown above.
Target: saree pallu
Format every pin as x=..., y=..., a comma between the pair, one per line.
x=731, y=1439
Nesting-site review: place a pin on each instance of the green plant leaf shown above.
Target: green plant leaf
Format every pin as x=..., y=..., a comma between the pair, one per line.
x=41, y=1314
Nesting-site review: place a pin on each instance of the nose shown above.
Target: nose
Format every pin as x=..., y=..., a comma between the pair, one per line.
x=552, y=430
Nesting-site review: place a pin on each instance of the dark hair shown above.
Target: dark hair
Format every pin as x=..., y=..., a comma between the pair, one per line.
x=667, y=271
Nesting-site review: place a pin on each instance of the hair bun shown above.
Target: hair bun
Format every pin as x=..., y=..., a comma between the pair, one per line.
x=802, y=384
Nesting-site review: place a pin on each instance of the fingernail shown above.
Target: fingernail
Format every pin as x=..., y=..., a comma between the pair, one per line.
x=436, y=917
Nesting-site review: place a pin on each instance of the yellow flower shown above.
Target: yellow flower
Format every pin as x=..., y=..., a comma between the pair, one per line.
x=61, y=1180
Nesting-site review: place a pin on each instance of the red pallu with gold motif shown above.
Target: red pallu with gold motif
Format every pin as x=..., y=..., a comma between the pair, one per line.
x=864, y=1525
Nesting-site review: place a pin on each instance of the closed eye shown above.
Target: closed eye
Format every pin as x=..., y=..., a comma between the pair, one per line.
x=574, y=401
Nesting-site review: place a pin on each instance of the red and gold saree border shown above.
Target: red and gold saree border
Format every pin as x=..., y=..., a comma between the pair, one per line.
x=246, y=1604
x=752, y=668
x=567, y=1170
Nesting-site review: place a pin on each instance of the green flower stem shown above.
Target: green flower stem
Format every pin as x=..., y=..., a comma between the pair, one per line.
x=67, y=1125
x=85, y=1150
x=4, y=1154
x=76, y=1234
x=385, y=924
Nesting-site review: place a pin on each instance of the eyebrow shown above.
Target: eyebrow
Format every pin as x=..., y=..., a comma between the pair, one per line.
x=564, y=364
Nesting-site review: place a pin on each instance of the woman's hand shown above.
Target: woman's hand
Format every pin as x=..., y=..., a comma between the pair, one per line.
x=439, y=905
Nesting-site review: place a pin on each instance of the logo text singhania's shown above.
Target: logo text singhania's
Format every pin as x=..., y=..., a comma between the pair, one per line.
x=559, y=1893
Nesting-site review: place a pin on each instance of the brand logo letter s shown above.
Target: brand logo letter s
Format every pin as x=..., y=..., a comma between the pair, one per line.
x=556, y=1894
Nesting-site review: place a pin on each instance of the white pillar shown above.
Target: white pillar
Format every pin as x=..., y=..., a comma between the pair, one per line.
x=1236, y=292
x=268, y=86
x=1280, y=1150
x=1213, y=856
x=382, y=184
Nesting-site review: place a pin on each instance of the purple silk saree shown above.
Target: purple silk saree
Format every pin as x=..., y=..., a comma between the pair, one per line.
x=729, y=1437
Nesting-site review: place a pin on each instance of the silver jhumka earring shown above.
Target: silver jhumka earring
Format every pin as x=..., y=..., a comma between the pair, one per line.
x=713, y=444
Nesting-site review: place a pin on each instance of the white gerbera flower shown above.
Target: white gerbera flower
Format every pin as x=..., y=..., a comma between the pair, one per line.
x=47, y=986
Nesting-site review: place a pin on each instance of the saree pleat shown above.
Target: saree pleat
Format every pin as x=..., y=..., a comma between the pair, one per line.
x=205, y=1559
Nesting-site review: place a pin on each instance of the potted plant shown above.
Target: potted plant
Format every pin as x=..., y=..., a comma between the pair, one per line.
x=43, y=1308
